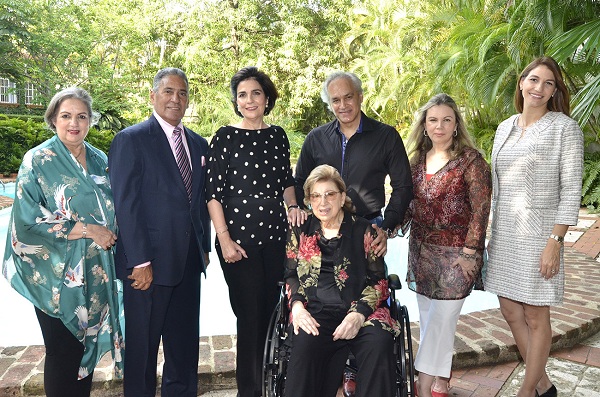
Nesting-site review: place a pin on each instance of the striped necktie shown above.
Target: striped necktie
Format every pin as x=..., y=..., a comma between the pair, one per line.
x=183, y=162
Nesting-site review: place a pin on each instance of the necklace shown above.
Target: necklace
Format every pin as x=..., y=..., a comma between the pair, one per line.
x=523, y=126
x=80, y=152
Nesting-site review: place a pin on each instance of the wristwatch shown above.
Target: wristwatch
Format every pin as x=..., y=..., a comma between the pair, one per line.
x=560, y=239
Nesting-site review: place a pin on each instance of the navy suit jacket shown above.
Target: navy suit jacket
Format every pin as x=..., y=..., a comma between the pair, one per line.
x=154, y=216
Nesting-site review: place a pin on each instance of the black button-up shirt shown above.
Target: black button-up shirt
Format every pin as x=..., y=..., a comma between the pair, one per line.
x=371, y=155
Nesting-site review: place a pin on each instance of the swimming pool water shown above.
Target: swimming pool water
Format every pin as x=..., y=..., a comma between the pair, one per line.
x=8, y=190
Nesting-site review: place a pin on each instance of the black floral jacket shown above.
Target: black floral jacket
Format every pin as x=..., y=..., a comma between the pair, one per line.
x=360, y=275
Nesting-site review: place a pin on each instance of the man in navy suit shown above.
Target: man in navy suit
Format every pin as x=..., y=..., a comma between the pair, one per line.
x=163, y=241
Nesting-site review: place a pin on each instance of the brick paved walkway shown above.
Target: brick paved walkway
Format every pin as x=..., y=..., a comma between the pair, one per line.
x=485, y=357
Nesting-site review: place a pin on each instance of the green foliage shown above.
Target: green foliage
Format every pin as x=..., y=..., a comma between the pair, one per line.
x=297, y=43
x=296, y=139
x=14, y=18
x=408, y=50
x=405, y=51
x=590, y=190
x=16, y=138
x=100, y=139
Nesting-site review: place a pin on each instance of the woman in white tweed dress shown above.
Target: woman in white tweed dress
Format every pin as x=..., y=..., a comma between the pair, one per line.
x=537, y=163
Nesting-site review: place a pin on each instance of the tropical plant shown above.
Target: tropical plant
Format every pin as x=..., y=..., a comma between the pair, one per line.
x=408, y=50
x=590, y=190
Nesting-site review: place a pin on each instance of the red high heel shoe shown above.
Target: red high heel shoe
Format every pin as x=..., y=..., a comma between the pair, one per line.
x=435, y=393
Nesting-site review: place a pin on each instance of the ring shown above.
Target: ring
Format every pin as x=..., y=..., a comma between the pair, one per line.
x=135, y=284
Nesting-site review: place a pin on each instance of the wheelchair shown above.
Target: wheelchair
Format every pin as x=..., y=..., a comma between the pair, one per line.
x=278, y=347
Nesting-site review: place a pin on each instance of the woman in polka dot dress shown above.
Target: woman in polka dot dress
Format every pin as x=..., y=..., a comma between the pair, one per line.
x=249, y=185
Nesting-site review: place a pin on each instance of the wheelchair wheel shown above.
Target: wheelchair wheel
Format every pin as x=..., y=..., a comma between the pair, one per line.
x=404, y=355
x=276, y=353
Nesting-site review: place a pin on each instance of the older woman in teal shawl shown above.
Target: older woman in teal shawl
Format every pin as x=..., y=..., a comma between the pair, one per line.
x=59, y=248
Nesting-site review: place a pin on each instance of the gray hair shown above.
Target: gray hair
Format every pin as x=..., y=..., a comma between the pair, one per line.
x=168, y=72
x=339, y=75
x=69, y=93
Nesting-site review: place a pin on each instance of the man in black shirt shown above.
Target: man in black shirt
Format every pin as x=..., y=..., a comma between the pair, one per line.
x=364, y=151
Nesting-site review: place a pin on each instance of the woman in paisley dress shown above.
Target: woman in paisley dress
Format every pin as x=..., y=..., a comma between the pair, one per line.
x=59, y=248
x=450, y=211
x=338, y=290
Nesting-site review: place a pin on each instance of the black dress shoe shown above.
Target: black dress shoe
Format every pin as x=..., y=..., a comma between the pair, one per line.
x=551, y=392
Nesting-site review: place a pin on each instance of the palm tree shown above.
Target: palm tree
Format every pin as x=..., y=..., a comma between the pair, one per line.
x=473, y=50
x=579, y=50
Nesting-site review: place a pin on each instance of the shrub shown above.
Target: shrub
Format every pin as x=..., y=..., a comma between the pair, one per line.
x=16, y=137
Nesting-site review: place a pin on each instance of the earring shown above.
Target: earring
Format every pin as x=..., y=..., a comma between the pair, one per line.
x=425, y=133
x=455, y=133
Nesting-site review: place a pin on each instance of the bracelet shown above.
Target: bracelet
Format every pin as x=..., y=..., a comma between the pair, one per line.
x=389, y=233
x=84, y=231
x=469, y=257
x=559, y=239
x=222, y=231
x=291, y=207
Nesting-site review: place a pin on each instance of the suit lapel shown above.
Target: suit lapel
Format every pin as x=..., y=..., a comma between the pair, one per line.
x=197, y=160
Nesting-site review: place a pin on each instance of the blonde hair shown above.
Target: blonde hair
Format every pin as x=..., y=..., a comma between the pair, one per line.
x=419, y=143
x=326, y=173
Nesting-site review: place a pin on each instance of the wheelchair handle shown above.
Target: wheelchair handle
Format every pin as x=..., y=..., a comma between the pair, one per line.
x=394, y=282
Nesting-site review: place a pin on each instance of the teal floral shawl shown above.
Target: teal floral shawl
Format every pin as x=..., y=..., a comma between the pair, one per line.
x=73, y=280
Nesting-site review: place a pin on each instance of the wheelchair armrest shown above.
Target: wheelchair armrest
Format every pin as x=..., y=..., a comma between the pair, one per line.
x=394, y=282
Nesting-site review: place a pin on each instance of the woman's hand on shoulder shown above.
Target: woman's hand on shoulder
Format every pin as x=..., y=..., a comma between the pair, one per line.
x=302, y=319
x=296, y=216
x=349, y=327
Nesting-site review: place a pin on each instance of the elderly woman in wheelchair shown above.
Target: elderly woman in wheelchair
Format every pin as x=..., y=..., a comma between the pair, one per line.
x=337, y=292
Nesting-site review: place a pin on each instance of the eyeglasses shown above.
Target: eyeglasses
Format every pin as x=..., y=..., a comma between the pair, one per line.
x=329, y=196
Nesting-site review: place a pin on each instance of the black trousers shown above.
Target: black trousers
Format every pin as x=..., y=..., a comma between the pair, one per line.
x=173, y=314
x=63, y=358
x=253, y=293
x=317, y=362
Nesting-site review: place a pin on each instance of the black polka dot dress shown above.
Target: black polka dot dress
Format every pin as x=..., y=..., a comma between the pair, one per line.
x=248, y=170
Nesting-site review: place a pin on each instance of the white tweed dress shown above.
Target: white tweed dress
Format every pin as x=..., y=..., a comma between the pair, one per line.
x=536, y=184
